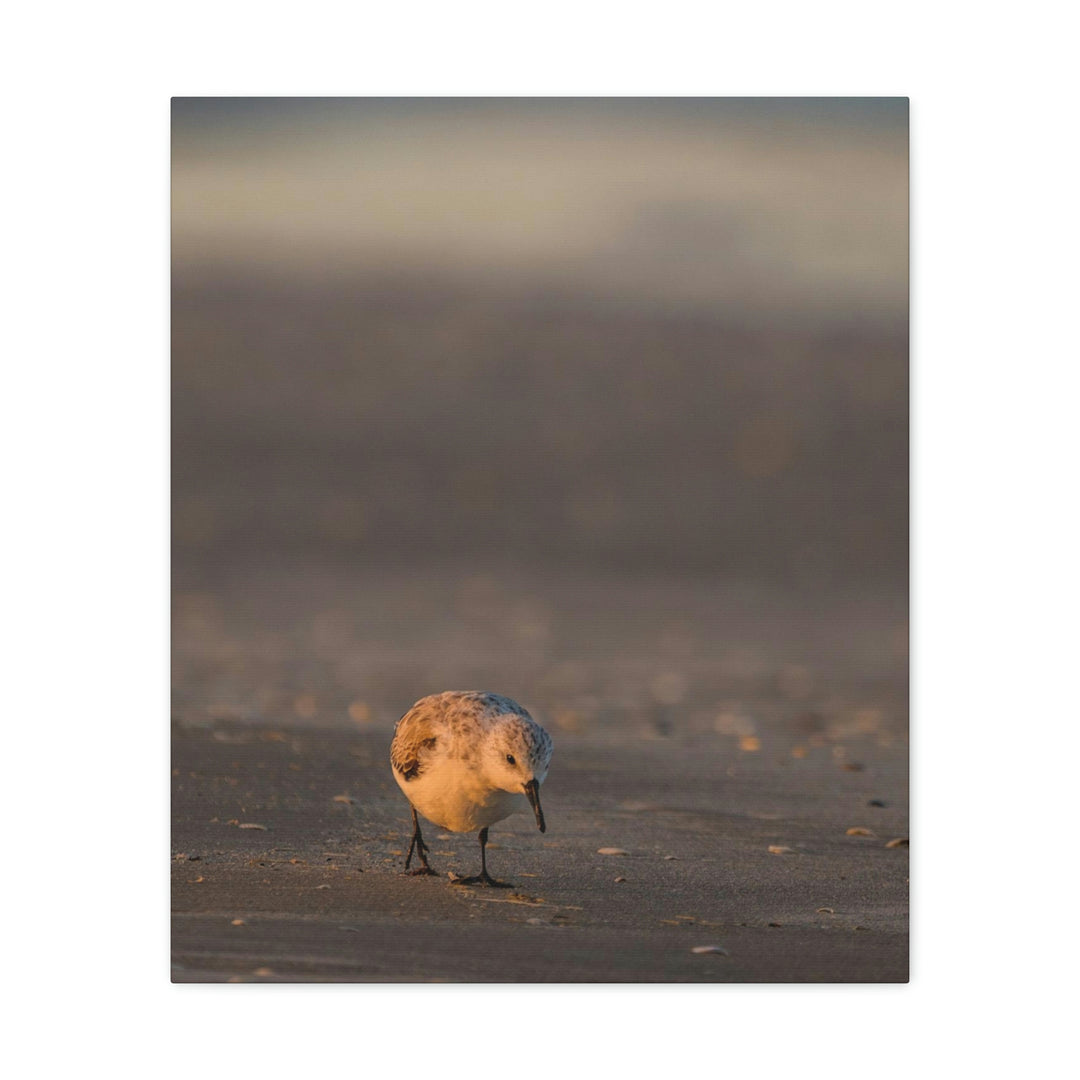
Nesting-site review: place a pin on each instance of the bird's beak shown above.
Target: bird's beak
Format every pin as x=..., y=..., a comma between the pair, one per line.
x=532, y=793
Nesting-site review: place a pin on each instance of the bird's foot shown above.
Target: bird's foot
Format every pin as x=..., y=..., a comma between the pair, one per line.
x=417, y=844
x=482, y=879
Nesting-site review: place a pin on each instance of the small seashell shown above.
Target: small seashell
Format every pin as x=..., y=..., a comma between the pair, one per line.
x=263, y=971
x=619, y=879
x=701, y=949
x=610, y=851
x=671, y=858
x=825, y=911
x=322, y=886
x=344, y=798
x=779, y=849
x=900, y=841
x=238, y=922
x=858, y=830
x=250, y=825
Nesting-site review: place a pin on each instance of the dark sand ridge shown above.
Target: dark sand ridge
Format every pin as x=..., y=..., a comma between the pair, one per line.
x=321, y=896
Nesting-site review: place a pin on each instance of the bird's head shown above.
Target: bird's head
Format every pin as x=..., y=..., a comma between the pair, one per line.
x=516, y=758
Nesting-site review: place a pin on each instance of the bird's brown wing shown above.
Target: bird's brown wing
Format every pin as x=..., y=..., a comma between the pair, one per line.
x=414, y=739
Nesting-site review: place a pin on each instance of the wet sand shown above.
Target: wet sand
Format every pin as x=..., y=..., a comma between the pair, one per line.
x=316, y=894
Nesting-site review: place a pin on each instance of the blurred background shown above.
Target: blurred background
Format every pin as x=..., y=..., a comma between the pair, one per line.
x=601, y=404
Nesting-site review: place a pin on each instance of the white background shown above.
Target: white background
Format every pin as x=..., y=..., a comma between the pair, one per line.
x=85, y=454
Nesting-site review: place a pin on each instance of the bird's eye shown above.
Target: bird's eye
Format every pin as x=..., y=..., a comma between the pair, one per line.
x=510, y=759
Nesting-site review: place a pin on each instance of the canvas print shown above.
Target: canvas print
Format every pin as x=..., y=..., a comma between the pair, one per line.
x=540, y=540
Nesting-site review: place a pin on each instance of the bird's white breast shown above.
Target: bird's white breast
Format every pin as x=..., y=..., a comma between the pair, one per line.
x=453, y=795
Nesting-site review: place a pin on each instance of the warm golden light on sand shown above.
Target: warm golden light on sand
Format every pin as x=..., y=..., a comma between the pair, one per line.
x=360, y=712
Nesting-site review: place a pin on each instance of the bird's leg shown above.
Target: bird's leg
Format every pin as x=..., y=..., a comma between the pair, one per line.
x=417, y=842
x=483, y=878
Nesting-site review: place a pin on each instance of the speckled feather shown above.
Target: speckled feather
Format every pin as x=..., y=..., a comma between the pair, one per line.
x=446, y=747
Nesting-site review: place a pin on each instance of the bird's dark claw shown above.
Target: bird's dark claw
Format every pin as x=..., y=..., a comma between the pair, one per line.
x=482, y=879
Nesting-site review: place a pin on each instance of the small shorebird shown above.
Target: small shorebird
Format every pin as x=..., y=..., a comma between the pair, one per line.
x=466, y=759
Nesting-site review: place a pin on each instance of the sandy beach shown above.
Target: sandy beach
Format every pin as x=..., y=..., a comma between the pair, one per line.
x=598, y=404
x=288, y=847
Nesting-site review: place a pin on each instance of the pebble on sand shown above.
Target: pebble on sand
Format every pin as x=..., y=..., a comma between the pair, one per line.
x=858, y=830
x=899, y=841
x=250, y=825
x=610, y=851
x=779, y=849
x=701, y=949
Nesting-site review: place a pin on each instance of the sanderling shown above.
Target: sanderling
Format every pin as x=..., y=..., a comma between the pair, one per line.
x=466, y=759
